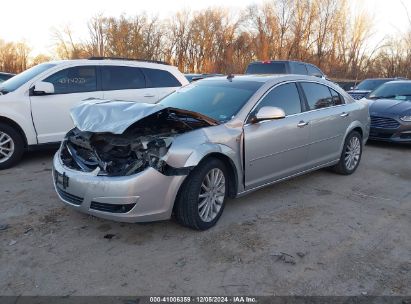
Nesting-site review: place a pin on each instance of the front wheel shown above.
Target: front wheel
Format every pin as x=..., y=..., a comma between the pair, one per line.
x=351, y=154
x=11, y=146
x=201, y=199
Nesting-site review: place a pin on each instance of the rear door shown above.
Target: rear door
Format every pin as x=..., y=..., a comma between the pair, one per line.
x=162, y=81
x=329, y=119
x=275, y=149
x=126, y=83
x=51, y=113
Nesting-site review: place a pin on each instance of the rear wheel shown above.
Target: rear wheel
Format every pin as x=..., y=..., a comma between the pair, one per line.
x=11, y=146
x=351, y=154
x=201, y=199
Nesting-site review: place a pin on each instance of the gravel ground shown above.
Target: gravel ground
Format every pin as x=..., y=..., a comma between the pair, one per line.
x=318, y=234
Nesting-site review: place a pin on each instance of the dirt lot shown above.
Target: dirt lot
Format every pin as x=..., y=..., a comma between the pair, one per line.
x=319, y=234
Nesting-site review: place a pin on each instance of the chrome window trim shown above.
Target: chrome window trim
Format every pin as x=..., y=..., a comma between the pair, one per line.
x=302, y=112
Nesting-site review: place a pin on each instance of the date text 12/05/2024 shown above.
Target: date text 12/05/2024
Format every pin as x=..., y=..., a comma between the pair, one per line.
x=204, y=299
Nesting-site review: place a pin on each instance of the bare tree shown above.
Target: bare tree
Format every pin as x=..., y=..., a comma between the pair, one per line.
x=323, y=32
x=97, y=41
x=14, y=56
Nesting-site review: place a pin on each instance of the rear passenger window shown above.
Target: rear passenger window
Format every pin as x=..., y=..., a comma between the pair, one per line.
x=160, y=79
x=300, y=69
x=285, y=97
x=318, y=95
x=122, y=78
x=337, y=98
x=74, y=80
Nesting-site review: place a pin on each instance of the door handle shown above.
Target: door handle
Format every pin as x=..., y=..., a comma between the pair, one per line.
x=302, y=124
x=344, y=114
x=149, y=95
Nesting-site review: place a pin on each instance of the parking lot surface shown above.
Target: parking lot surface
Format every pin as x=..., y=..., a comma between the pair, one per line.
x=318, y=234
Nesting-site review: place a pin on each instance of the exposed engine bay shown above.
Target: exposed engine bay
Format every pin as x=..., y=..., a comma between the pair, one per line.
x=140, y=146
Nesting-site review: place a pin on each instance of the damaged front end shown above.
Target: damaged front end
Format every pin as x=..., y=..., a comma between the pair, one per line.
x=143, y=144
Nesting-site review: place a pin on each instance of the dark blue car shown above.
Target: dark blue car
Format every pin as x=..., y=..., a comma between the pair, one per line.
x=390, y=111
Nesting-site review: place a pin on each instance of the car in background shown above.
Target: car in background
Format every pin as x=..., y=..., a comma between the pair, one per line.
x=367, y=86
x=195, y=77
x=284, y=67
x=35, y=104
x=347, y=85
x=5, y=76
x=215, y=138
x=390, y=111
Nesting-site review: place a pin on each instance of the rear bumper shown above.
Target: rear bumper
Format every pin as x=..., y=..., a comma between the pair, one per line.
x=143, y=197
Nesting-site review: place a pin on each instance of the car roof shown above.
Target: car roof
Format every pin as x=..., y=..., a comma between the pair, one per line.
x=264, y=78
x=382, y=78
x=120, y=61
x=265, y=61
x=400, y=81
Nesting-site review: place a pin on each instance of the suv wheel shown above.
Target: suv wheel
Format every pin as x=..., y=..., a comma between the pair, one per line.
x=11, y=146
x=351, y=154
x=201, y=199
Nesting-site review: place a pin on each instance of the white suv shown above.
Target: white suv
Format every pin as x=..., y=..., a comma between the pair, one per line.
x=34, y=105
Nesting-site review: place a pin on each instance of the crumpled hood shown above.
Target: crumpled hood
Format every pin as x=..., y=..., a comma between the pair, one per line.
x=391, y=106
x=114, y=116
x=110, y=116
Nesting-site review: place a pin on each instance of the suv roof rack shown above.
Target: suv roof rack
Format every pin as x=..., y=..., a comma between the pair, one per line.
x=129, y=59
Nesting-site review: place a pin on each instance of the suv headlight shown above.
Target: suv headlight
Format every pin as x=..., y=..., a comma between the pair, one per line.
x=406, y=118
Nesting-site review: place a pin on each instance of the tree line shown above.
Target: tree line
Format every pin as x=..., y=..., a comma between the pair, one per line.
x=217, y=40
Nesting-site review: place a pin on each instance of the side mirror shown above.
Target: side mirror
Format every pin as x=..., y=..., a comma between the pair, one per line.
x=43, y=88
x=268, y=113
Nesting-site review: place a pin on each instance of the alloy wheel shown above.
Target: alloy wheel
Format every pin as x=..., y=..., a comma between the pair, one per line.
x=6, y=147
x=352, y=153
x=212, y=194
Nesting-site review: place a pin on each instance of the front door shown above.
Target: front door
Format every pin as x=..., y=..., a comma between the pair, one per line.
x=275, y=149
x=51, y=113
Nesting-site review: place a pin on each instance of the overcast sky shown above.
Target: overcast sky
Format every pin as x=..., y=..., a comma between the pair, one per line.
x=33, y=21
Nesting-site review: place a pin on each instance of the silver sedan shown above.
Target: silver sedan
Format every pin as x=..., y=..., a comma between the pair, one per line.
x=216, y=138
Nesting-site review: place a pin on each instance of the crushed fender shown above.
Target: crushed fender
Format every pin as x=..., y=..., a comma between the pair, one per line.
x=142, y=145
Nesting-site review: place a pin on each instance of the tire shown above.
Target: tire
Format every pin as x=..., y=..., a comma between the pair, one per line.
x=353, y=146
x=12, y=144
x=190, y=209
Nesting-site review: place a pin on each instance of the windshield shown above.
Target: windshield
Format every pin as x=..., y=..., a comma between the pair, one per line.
x=393, y=90
x=218, y=99
x=266, y=68
x=371, y=84
x=20, y=79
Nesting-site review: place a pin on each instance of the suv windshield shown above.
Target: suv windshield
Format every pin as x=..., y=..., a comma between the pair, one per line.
x=393, y=90
x=218, y=99
x=20, y=79
x=371, y=84
x=266, y=68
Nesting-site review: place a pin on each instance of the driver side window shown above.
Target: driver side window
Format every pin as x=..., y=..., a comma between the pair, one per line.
x=74, y=80
x=285, y=97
